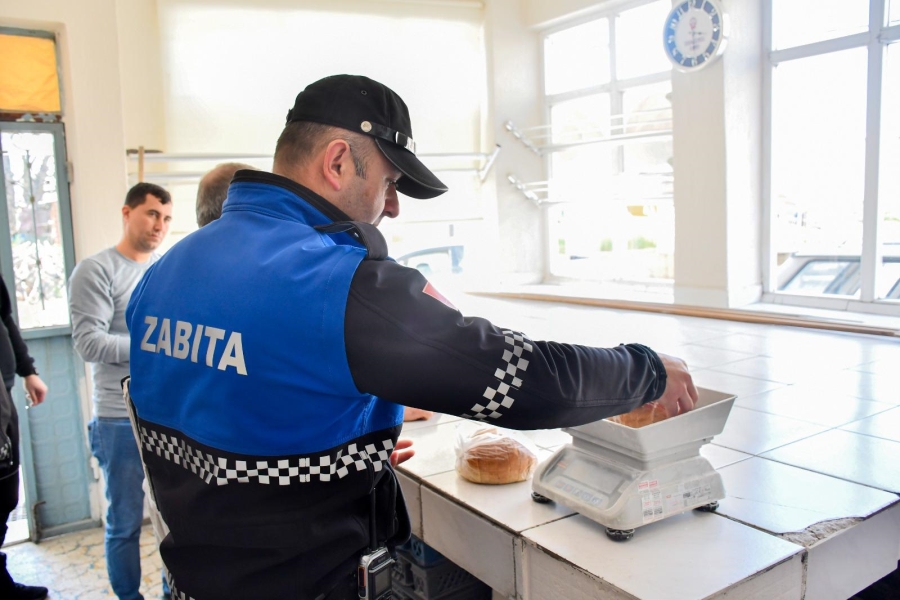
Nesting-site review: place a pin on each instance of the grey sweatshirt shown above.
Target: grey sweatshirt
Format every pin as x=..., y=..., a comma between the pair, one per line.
x=99, y=290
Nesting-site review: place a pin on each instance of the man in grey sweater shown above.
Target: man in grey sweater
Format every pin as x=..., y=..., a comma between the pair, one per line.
x=99, y=290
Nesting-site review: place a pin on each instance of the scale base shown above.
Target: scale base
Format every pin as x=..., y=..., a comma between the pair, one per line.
x=619, y=535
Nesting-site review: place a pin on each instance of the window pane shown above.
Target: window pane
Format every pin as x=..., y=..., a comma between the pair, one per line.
x=798, y=22
x=820, y=276
x=894, y=12
x=889, y=185
x=639, y=49
x=818, y=154
x=577, y=58
x=580, y=120
x=29, y=165
x=891, y=279
x=648, y=109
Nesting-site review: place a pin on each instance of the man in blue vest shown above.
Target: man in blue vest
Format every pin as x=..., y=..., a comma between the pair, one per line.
x=273, y=349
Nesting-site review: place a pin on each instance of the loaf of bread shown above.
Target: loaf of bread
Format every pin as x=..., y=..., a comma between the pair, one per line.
x=490, y=456
x=649, y=413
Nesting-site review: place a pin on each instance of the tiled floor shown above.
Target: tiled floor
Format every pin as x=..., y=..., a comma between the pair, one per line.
x=73, y=566
x=815, y=410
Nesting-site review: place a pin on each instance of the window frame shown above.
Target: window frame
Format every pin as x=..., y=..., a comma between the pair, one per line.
x=615, y=88
x=876, y=40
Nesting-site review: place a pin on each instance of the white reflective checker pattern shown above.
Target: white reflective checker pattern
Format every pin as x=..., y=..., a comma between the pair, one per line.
x=498, y=397
x=277, y=471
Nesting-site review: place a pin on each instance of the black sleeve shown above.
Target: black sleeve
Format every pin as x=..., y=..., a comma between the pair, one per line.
x=24, y=362
x=406, y=346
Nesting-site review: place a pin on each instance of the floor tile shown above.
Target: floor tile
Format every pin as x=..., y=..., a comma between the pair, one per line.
x=782, y=498
x=548, y=438
x=692, y=555
x=852, y=456
x=883, y=425
x=719, y=456
x=752, y=344
x=813, y=405
x=868, y=386
x=509, y=505
x=703, y=357
x=435, y=448
x=780, y=370
x=756, y=432
x=731, y=383
x=73, y=565
x=879, y=367
x=436, y=419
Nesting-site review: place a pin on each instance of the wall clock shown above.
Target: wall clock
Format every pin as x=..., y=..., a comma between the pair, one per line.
x=694, y=34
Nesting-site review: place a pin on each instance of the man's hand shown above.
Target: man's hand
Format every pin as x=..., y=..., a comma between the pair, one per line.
x=35, y=389
x=401, y=452
x=680, y=393
x=416, y=414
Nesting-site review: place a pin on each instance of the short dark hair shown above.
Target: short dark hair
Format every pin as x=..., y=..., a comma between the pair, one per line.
x=213, y=190
x=137, y=195
x=300, y=140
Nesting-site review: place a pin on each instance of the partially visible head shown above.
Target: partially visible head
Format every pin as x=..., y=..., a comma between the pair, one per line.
x=213, y=190
x=349, y=139
x=147, y=213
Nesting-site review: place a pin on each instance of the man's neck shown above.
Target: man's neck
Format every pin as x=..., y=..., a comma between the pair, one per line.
x=128, y=251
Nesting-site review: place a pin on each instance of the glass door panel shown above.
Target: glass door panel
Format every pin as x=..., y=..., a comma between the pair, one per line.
x=33, y=208
x=818, y=158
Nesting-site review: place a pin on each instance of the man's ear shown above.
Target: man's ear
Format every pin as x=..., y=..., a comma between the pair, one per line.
x=126, y=210
x=337, y=164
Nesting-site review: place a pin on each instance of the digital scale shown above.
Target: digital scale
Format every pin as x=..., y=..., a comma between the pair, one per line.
x=624, y=477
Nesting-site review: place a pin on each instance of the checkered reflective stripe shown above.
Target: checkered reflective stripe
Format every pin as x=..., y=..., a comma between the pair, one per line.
x=498, y=397
x=173, y=589
x=285, y=471
x=175, y=592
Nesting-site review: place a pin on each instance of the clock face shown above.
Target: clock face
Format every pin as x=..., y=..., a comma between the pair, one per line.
x=694, y=34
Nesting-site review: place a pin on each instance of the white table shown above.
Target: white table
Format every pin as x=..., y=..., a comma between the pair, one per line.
x=784, y=532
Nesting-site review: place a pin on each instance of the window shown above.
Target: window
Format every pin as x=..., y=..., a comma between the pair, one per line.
x=36, y=225
x=834, y=226
x=577, y=57
x=611, y=218
x=889, y=186
x=29, y=81
x=799, y=22
x=818, y=153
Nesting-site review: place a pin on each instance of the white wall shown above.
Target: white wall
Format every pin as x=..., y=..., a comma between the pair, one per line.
x=515, y=94
x=95, y=142
x=718, y=144
x=140, y=68
x=92, y=104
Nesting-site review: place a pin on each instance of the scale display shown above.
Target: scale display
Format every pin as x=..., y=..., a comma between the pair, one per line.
x=591, y=482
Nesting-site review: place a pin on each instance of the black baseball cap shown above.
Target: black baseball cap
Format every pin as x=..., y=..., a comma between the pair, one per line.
x=359, y=104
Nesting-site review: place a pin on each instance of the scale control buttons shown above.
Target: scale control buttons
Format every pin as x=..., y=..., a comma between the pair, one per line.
x=578, y=493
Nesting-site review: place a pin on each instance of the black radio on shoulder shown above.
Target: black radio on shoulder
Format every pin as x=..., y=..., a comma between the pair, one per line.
x=374, y=575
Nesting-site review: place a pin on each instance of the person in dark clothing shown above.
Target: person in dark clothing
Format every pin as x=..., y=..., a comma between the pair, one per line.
x=273, y=350
x=14, y=360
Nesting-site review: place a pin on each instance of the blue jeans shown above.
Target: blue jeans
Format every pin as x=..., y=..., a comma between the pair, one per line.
x=112, y=442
